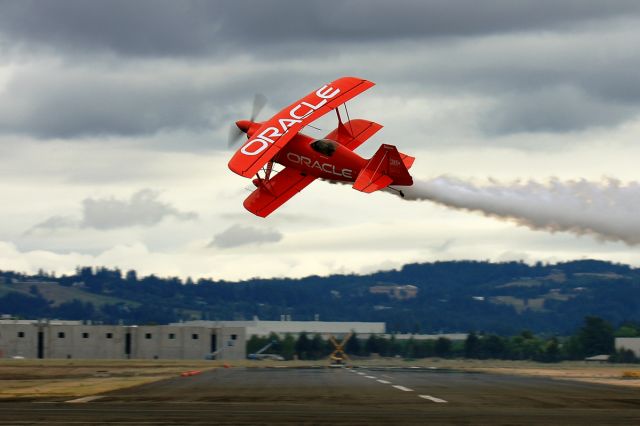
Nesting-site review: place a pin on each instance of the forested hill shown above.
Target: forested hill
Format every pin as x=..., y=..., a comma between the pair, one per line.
x=460, y=296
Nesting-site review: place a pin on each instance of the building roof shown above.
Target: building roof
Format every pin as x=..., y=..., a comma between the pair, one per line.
x=41, y=321
x=263, y=328
x=450, y=336
x=601, y=358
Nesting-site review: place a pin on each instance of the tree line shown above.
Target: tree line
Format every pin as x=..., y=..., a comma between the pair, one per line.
x=595, y=337
x=453, y=296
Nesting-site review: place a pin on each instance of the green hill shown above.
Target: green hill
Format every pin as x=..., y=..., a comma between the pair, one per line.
x=57, y=294
x=452, y=296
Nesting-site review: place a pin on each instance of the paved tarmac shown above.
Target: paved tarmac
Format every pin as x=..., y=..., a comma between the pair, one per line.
x=340, y=396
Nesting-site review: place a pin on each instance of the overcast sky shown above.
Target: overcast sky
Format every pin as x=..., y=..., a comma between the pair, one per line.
x=114, y=118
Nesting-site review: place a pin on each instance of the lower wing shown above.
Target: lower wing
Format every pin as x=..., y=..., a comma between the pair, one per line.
x=274, y=192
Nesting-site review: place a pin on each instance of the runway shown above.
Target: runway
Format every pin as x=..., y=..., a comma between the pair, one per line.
x=340, y=396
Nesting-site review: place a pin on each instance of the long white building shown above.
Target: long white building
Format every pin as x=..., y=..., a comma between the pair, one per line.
x=185, y=340
x=630, y=343
x=257, y=327
x=74, y=339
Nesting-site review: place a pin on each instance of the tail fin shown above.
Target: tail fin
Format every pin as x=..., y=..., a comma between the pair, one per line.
x=386, y=167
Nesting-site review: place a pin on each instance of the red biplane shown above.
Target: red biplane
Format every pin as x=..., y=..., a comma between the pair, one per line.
x=306, y=159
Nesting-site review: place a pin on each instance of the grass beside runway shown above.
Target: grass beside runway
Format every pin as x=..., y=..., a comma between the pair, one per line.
x=31, y=379
x=609, y=374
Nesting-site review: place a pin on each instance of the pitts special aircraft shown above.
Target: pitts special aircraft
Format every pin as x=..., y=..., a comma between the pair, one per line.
x=306, y=159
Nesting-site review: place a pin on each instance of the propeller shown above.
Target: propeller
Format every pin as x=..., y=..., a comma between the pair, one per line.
x=235, y=133
x=259, y=101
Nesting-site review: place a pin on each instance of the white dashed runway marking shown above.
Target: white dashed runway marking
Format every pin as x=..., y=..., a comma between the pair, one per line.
x=84, y=399
x=402, y=388
x=432, y=398
x=399, y=387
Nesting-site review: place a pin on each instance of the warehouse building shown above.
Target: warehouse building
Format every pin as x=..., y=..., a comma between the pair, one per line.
x=78, y=340
x=630, y=343
x=224, y=340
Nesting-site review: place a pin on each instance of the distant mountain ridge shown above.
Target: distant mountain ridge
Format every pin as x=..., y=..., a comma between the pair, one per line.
x=451, y=296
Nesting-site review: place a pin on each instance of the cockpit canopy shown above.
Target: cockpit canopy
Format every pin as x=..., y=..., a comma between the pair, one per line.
x=324, y=146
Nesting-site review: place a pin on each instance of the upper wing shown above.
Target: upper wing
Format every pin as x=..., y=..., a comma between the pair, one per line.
x=277, y=131
x=354, y=133
x=274, y=192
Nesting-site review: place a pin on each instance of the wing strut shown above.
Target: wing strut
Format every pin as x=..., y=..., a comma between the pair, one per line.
x=268, y=171
x=348, y=118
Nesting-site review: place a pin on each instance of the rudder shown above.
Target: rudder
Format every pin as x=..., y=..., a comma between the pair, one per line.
x=386, y=167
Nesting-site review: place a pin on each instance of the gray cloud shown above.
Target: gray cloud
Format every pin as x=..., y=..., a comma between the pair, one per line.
x=137, y=68
x=560, y=109
x=526, y=80
x=240, y=235
x=53, y=100
x=79, y=102
x=194, y=28
x=53, y=223
x=142, y=209
x=119, y=26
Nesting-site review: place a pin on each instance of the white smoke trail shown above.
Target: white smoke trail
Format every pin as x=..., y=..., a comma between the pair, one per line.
x=607, y=210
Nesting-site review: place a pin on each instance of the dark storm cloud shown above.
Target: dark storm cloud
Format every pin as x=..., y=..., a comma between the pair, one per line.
x=547, y=82
x=135, y=68
x=527, y=80
x=66, y=102
x=194, y=28
x=374, y=20
x=142, y=209
x=561, y=109
x=61, y=101
x=121, y=26
x=240, y=235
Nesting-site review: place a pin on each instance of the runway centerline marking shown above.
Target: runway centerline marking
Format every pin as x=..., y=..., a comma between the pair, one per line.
x=84, y=399
x=433, y=398
x=402, y=388
x=384, y=382
x=371, y=377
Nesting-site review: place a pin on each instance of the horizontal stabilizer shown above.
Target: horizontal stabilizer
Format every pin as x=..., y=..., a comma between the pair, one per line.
x=407, y=160
x=370, y=183
x=274, y=192
x=386, y=167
